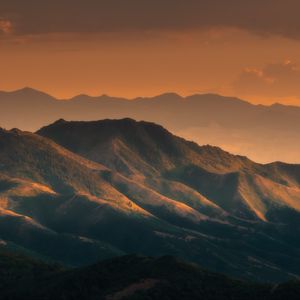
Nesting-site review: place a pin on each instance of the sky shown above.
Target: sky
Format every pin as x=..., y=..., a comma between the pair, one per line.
x=130, y=48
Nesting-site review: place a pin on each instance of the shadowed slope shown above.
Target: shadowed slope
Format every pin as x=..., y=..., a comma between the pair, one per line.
x=130, y=277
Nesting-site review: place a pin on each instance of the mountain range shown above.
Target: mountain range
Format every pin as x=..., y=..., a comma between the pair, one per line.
x=77, y=192
x=263, y=133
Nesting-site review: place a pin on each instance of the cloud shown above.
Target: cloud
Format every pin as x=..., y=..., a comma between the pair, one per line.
x=274, y=80
x=264, y=17
x=5, y=26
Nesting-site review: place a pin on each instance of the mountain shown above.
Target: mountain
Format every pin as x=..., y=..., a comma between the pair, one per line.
x=52, y=195
x=77, y=192
x=263, y=133
x=129, y=277
x=146, y=152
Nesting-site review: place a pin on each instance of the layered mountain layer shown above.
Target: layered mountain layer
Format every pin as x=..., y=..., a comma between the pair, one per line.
x=263, y=133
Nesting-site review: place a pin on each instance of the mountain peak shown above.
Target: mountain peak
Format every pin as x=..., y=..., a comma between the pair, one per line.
x=154, y=147
x=59, y=121
x=169, y=96
x=28, y=89
x=16, y=131
x=29, y=92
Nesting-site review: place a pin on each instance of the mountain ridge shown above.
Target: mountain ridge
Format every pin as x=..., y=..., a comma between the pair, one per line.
x=28, y=89
x=256, y=131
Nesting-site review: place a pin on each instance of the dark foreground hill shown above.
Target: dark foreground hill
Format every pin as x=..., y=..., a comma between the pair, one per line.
x=129, y=277
x=118, y=187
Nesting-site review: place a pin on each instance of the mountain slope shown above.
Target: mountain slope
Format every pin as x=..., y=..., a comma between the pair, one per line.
x=83, y=210
x=253, y=205
x=42, y=185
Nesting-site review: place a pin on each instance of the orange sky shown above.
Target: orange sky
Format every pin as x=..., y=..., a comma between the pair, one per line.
x=259, y=67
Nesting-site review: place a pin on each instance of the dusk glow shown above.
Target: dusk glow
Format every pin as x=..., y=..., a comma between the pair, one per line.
x=137, y=48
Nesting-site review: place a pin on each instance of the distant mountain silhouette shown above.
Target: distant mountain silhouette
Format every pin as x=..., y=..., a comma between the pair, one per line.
x=263, y=133
x=129, y=277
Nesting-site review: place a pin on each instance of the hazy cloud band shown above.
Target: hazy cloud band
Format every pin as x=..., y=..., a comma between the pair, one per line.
x=264, y=17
